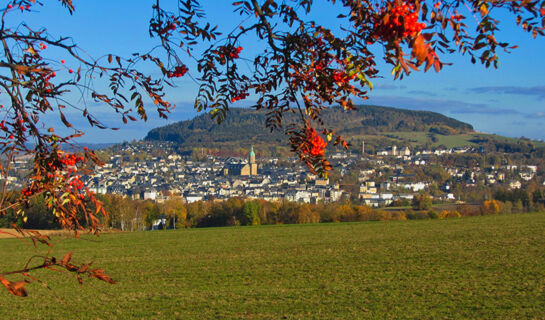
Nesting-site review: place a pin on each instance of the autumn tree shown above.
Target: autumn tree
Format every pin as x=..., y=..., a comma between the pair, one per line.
x=490, y=207
x=299, y=67
x=174, y=211
x=421, y=202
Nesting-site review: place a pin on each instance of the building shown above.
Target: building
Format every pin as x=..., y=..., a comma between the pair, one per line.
x=242, y=169
x=393, y=151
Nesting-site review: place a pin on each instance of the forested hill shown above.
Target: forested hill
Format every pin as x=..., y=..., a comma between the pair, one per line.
x=245, y=126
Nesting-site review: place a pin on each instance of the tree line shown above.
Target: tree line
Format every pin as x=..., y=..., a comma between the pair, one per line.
x=136, y=215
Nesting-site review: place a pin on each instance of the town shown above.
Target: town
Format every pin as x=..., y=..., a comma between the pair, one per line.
x=388, y=177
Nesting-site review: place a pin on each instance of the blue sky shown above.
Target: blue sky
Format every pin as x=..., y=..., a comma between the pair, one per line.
x=508, y=101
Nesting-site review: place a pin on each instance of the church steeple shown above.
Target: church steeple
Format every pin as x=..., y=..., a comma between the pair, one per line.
x=252, y=164
x=252, y=154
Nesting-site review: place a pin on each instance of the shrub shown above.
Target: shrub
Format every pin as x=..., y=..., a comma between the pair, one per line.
x=468, y=210
x=417, y=215
x=449, y=214
x=490, y=207
x=432, y=214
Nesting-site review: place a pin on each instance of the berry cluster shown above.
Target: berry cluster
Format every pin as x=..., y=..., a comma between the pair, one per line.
x=70, y=160
x=46, y=85
x=76, y=183
x=21, y=7
x=240, y=95
x=165, y=27
x=341, y=78
x=66, y=161
x=400, y=21
x=18, y=125
x=179, y=71
x=232, y=52
x=235, y=52
x=27, y=192
x=60, y=168
x=457, y=17
x=316, y=143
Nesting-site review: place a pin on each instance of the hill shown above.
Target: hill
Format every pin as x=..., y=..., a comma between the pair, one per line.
x=245, y=126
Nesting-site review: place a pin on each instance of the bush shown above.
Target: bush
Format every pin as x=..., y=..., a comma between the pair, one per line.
x=391, y=215
x=468, y=210
x=449, y=214
x=490, y=207
x=416, y=215
x=432, y=214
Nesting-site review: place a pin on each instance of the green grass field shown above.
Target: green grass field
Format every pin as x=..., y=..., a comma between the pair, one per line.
x=452, y=141
x=490, y=267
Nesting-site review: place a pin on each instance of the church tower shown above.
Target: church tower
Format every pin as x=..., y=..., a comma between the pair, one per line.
x=253, y=165
x=252, y=155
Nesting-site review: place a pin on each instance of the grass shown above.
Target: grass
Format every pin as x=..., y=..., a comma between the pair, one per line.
x=452, y=141
x=483, y=267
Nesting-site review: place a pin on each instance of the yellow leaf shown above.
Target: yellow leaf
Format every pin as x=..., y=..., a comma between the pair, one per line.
x=483, y=9
x=31, y=50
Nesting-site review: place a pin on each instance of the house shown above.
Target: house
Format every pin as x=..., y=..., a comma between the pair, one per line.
x=515, y=184
x=192, y=197
x=150, y=194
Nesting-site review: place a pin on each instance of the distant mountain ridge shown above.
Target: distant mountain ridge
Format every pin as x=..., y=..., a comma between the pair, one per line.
x=245, y=126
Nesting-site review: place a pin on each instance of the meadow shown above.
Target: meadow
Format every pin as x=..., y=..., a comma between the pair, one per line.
x=453, y=141
x=489, y=267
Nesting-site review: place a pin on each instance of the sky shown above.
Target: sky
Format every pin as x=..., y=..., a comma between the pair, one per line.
x=508, y=101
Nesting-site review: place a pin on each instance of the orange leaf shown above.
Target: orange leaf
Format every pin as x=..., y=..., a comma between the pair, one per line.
x=67, y=258
x=15, y=288
x=83, y=268
x=420, y=49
